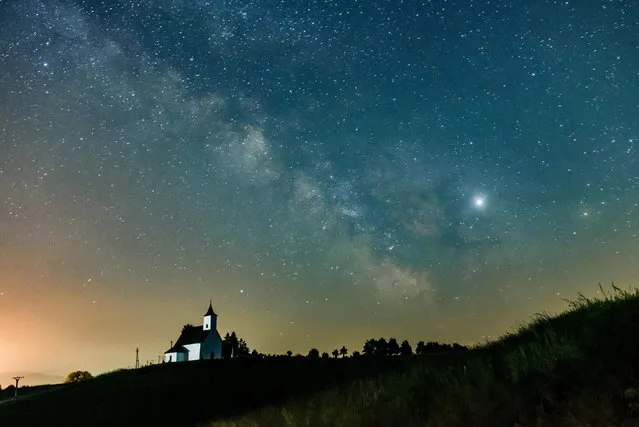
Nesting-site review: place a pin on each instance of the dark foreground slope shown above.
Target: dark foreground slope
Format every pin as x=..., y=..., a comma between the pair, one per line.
x=578, y=369
x=183, y=394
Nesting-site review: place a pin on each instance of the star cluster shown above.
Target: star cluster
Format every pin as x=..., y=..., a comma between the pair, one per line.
x=325, y=171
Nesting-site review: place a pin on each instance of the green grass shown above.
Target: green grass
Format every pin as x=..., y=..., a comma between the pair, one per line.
x=571, y=370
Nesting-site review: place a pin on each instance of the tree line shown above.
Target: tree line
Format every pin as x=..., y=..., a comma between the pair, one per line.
x=383, y=348
x=234, y=347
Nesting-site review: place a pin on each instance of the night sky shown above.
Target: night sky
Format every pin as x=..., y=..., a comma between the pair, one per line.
x=323, y=171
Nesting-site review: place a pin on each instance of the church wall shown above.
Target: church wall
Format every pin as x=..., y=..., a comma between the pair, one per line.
x=194, y=351
x=212, y=345
x=174, y=357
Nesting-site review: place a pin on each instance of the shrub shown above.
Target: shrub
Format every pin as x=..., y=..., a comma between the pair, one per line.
x=77, y=376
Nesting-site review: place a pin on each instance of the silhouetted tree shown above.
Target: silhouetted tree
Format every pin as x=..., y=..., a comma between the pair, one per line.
x=226, y=346
x=356, y=354
x=335, y=353
x=405, y=348
x=187, y=327
x=314, y=354
x=435, y=347
x=420, y=349
x=343, y=351
x=234, y=342
x=382, y=347
x=242, y=348
x=378, y=347
x=459, y=347
x=233, y=347
x=325, y=355
x=77, y=376
x=289, y=353
x=370, y=347
x=393, y=347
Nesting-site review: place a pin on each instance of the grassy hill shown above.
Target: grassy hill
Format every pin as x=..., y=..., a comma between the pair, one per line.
x=577, y=369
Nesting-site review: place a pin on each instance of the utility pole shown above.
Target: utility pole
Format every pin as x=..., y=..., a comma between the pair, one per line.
x=137, y=358
x=15, y=394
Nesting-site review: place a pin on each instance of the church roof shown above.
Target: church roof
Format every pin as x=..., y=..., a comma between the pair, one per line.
x=177, y=348
x=192, y=335
x=210, y=311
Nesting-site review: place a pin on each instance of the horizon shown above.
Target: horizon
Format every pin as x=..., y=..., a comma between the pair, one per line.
x=44, y=378
x=324, y=172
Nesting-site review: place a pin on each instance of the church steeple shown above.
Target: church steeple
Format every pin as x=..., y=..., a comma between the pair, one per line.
x=210, y=319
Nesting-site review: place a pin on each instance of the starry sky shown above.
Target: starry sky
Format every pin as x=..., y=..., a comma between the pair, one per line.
x=323, y=171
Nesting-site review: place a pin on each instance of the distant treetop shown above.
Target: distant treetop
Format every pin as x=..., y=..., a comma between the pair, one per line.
x=77, y=376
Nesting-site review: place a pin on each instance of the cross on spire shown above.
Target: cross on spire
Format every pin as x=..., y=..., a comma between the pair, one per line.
x=210, y=311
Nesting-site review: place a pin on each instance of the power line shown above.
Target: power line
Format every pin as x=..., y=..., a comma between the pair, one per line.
x=15, y=394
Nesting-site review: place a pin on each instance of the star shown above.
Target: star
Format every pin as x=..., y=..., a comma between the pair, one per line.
x=479, y=201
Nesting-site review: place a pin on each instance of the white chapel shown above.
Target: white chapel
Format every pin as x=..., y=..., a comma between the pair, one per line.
x=197, y=342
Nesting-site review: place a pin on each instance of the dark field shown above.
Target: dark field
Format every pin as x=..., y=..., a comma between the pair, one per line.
x=183, y=394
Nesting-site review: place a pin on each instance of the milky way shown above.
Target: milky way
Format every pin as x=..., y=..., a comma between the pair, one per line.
x=324, y=171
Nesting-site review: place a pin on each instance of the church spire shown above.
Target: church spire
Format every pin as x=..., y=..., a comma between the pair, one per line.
x=210, y=319
x=210, y=311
